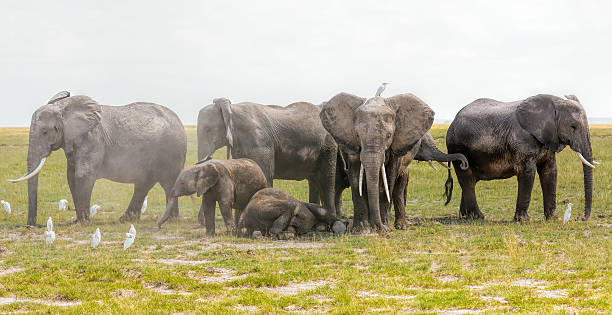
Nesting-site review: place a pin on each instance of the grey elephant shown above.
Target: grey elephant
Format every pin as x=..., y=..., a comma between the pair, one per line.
x=231, y=183
x=139, y=143
x=501, y=140
x=424, y=150
x=286, y=142
x=273, y=211
x=374, y=134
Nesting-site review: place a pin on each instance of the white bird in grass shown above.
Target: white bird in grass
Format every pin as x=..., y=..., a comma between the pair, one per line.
x=7, y=206
x=144, y=206
x=130, y=236
x=96, y=238
x=93, y=210
x=568, y=213
x=63, y=204
x=381, y=88
x=49, y=233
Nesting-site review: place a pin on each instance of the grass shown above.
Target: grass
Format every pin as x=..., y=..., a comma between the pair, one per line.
x=440, y=263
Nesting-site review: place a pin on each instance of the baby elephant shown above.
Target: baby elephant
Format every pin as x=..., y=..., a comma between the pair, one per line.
x=232, y=183
x=273, y=211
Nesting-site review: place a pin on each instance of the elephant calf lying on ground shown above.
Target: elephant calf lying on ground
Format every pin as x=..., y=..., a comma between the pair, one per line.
x=232, y=183
x=272, y=211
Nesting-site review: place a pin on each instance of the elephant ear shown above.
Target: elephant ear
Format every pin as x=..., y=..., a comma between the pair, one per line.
x=206, y=178
x=413, y=118
x=572, y=97
x=538, y=116
x=81, y=115
x=226, y=112
x=59, y=96
x=337, y=116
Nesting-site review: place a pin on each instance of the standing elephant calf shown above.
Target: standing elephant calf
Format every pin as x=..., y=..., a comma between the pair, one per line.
x=139, y=143
x=232, y=183
x=273, y=211
x=501, y=140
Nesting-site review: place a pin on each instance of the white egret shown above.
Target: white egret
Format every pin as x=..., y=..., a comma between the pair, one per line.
x=129, y=237
x=93, y=210
x=144, y=206
x=381, y=88
x=568, y=213
x=7, y=206
x=63, y=204
x=49, y=233
x=96, y=238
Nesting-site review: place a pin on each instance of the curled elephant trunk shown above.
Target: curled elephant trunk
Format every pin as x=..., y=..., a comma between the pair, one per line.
x=168, y=212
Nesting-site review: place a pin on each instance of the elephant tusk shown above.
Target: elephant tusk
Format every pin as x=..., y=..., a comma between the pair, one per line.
x=32, y=174
x=445, y=166
x=384, y=175
x=432, y=165
x=584, y=161
x=360, y=180
x=595, y=162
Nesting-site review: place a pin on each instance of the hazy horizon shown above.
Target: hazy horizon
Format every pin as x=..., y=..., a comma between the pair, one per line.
x=277, y=52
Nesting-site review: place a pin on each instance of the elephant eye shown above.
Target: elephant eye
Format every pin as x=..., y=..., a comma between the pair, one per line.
x=573, y=127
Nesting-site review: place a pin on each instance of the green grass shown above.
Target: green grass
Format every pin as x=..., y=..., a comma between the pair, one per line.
x=440, y=263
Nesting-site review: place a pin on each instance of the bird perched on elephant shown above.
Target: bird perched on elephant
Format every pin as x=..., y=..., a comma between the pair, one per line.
x=502, y=140
x=286, y=142
x=139, y=143
x=231, y=183
x=273, y=211
x=374, y=134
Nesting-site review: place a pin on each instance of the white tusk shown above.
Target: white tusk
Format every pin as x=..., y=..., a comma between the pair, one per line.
x=384, y=174
x=432, y=165
x=445, y=166
x=32, y=174
x=584, y=161
x=360, y=179
x=595, y=162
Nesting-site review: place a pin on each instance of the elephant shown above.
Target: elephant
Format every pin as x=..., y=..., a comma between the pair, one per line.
x=231, y=183
x=286, y=142
x=502, y=140
x=374, y=134
x=139, y=143
x=425, y=150
x=273, y=211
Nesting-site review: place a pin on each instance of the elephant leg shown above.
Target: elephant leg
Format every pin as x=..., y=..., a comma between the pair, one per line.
x=399, y=200
x=264, y=157
x=525, y=178
x=226, y=213
x=338, y=201
x=133, y=211
x=327, y=178
x=313, y=192
x=281, y=223
x=83, y=186
x=469, y=206
x=548, y=180
x=206, y=216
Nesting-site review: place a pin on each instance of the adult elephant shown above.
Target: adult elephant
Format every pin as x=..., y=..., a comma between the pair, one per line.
x=424, y=150
x=139, y=143
x=520, y=138
x=286, y=142
x=374, y=134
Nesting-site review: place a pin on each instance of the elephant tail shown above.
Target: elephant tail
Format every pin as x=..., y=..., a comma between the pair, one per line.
x=448, y=186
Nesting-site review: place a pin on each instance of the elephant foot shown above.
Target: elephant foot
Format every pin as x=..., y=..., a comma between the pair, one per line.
x=130, y=217
x=362, y=227
x=401, y=224
x=521, y=217
x=81, y=221
x=284, y=236
x=473, y=215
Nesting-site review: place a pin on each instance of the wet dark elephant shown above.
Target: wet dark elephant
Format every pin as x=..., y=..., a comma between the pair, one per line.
x=502, y=140
x=375, y=133
x=286, y=142
x=139, y=143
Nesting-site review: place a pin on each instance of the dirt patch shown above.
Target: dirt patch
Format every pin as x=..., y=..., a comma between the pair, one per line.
x=221, y=275
x=529, y=283
x=447, y=278
x=11, y=300
x=552, y=294
x=246, y=308
x=276, y=245
x=295, y=288
x=498, y=299
x=162, y=288
x=183, y=262
x=370, y=294
x=10, y=270
x=124, y=293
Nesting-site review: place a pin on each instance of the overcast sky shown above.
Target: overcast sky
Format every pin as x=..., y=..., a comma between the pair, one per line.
x=182, y=54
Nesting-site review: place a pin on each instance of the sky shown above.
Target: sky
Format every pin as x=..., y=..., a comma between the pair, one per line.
x=182, y=54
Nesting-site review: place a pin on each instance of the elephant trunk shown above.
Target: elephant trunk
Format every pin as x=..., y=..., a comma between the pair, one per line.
x=372, y=163
x=588, y=183
x=36, y=161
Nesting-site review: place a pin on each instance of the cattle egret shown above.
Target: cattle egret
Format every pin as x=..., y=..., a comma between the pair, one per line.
x=144, y=206
x=63, y=204
x=568, y=213
x=49, y=233
x=129, y=237
x=96, y=238
x=381, y=88
x=93, y=210
x=7, y=206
